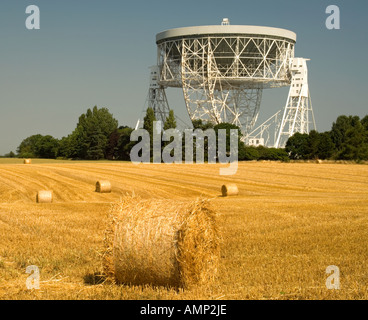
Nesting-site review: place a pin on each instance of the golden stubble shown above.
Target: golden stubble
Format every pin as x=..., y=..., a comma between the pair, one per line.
x=289, y=222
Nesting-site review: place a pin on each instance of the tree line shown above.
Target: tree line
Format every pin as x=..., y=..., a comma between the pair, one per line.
x=347, y=140
x=98, y=136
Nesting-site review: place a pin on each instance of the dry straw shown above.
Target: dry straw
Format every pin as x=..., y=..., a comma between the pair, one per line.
x=162, y=242
x=103, y=186
x=229, y=190
x=27, y=161
x=44, y=197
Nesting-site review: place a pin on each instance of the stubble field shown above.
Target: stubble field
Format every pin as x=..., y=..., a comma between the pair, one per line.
x=289, y=222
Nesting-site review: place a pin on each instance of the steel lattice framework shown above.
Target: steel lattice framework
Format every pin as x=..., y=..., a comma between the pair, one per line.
x=223, y=69
x=298, y=113
x=157, y=99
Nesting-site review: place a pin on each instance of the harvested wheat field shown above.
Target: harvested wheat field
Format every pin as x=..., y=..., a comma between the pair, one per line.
x=289, y=222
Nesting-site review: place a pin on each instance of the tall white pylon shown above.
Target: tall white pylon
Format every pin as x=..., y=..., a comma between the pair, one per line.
x=298, y=112
x=157, y=99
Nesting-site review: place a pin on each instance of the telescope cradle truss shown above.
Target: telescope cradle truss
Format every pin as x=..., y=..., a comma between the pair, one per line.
x=223, y=70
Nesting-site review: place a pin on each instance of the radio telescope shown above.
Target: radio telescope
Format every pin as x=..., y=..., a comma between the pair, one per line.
x=222, y=70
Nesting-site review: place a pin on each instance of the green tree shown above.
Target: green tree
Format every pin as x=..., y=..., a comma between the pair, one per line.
x=97, y=145
x=297, y=146
x=124, y=144
x=90, y=138
x=148, y=121
x=199, y=124
x=170, y=122
x=27, y=148
x=354, y=146
x=69, y=146
x=39, y=146
x=112, y=145
x=47, y=147
x=340, y=128
x=11, y=154
x=326, y=147
x=273, y=154
x=148, y=125
x=364, y=123
x=313, y=142
x=250, y=153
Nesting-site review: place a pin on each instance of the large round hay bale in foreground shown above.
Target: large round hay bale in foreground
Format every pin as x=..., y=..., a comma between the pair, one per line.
x=162, y=243
x=27, y=161
x=103, y=186
x=230, y=189
x=44, y=197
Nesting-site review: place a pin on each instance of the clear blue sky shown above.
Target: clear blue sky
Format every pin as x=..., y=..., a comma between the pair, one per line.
x=94, y=52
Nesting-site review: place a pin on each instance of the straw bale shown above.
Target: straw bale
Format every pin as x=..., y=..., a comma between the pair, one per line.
x=44, y=197
x=103, y=186
x=162, y=242
x=230, y=189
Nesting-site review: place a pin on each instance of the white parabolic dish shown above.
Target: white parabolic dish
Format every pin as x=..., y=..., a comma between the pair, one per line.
x=222, y=30
x=223, y=69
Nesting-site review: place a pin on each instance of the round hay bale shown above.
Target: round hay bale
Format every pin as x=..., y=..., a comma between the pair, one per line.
x=161, y=242
x=103, y=186
x=27, y=161
x=229, y=190
x=44, y=197
x=319, y=161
